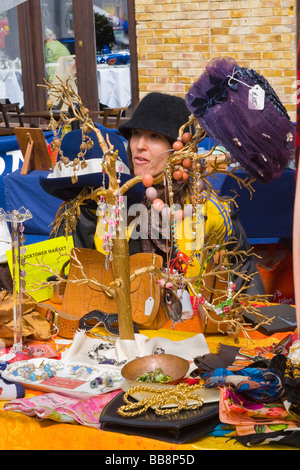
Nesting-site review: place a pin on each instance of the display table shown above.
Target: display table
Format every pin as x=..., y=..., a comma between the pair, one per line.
x=11, y=86
x=114, y=85
x=22, y=432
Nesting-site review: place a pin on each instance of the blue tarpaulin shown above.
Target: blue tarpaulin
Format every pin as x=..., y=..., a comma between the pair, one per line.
x=24, y=190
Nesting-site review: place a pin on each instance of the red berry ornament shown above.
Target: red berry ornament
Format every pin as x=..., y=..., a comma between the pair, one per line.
x=177, y=175
x=185, y=176
x=186, y=163
x=177, y=145
x=186, y=137
x=147, y=180
x=158, y=204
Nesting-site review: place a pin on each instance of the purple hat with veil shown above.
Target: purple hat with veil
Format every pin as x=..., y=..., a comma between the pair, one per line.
x=258, y=135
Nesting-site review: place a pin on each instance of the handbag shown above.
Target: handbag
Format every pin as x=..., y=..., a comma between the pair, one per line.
x=34, y=324
x=180, y=428
x=7, y=305
x=59, y=288
x=214, y=285
x=83, y=297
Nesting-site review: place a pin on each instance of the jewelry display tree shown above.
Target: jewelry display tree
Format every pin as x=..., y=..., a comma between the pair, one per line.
x=224, y=313
x=16, y=218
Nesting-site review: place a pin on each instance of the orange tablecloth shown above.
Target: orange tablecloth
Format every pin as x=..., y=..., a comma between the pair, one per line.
x=20, y=432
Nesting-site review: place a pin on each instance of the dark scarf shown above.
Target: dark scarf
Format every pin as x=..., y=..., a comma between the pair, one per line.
x=157, y=240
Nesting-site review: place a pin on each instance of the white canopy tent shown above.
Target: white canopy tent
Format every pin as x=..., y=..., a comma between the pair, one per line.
x=8, y=4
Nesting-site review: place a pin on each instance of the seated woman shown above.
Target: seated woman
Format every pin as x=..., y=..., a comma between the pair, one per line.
x=151, y=133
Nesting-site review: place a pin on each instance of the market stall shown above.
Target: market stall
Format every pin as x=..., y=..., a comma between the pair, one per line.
x=112, y=357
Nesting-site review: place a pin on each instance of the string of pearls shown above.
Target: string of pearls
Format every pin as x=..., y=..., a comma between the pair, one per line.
x=222, y=308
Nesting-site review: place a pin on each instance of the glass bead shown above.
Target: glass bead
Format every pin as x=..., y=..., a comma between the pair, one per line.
x=94, y=383
x=109, y=381
x=151, y=193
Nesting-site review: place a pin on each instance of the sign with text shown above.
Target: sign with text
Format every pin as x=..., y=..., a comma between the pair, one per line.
x=40, y=261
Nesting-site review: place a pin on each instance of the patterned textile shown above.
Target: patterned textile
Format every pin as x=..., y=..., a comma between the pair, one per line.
x=63, y=409
x=256, y=384
x=236, y=358
x=248, y=416
x=291, y=381
x=283, y=437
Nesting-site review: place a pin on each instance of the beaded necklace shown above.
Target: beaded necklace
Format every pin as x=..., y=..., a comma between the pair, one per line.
x=196, y=213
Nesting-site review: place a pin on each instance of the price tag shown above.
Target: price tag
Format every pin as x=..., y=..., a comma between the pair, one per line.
x=256, y=98
x=150, y=301
x=149, y=306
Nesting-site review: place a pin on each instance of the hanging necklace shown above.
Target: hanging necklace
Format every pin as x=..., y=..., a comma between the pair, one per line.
x=111, y=216
x=222, y=308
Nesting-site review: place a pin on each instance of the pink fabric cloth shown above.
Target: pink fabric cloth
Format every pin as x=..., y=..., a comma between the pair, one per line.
x=63, y=409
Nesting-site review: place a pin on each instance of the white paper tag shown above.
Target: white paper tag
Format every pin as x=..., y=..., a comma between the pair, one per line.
x=7, y=357
x=149, y=306
x=256, y=98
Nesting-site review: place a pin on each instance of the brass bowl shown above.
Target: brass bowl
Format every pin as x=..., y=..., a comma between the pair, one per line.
x=174, y=366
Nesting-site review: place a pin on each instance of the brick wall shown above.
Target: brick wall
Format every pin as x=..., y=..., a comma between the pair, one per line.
x=177, y=38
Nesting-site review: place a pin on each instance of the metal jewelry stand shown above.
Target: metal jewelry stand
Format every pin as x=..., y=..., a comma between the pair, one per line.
x=16, y=219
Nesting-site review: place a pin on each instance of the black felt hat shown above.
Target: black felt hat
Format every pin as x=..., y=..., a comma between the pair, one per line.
x=158, y=112
x=59, y=183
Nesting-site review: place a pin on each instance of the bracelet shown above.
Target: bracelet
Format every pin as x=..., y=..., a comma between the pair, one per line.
x=30, y=372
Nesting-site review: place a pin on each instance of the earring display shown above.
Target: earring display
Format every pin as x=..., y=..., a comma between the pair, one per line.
x=76, y=380
x=16, y=218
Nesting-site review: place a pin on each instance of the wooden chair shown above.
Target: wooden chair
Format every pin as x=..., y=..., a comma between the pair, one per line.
x=7, y=108
x=111, y=117
x=5, y=131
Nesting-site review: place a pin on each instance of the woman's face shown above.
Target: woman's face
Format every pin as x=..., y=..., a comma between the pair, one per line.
x=144, y=147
